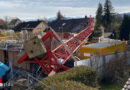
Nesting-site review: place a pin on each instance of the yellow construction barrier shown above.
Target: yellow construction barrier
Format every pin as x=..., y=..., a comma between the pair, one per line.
x=101, y=49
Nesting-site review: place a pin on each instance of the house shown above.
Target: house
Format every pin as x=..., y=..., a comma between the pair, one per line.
x=14, y=22
x=30, y=28
x=65, y=28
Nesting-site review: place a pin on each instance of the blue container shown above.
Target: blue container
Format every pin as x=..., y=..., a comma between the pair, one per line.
x=3, y=69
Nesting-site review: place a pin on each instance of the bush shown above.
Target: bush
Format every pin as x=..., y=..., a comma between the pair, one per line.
x=115, y=70
x=66, y=85
x=73, y=79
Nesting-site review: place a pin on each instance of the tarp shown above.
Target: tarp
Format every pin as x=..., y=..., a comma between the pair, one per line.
x=3, y=69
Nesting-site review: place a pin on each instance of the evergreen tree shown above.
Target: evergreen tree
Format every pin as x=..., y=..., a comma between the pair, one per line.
x=98, y=24
x=125, y=28
x=99, y=14
x=108, y=15
x=60, y=16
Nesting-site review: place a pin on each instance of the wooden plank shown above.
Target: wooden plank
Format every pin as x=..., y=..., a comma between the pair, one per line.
x=2, y=59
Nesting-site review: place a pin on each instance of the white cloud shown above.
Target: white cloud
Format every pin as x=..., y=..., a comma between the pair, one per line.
x=7, y=5
x=28, y=9
x=78, y=12
x=122, y=9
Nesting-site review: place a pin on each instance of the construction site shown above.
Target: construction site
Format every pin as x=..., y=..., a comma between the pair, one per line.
x=64, y=45
x=35, y=50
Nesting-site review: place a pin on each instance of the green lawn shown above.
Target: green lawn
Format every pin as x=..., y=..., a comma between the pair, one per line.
x=110, y=87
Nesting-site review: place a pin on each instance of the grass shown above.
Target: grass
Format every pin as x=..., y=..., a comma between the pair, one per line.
x=110, y=87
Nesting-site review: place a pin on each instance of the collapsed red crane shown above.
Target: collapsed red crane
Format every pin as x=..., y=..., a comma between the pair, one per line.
x=50, y=61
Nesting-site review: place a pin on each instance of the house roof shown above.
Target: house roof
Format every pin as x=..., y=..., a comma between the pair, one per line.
x=27, y=25
x=71, y=25
x=14, y=21
x=102, y=44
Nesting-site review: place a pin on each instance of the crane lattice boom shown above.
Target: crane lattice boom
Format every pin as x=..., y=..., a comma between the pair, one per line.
x=50, y=61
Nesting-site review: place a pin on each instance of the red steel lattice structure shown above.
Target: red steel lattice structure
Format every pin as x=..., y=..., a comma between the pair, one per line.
x=50, y=60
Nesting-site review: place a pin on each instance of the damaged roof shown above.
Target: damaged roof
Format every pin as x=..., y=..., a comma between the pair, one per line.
x=71, y=25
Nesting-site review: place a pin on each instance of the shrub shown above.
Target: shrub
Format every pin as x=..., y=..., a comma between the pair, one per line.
x=74, y=79
x=115, y=70
x=66, y=85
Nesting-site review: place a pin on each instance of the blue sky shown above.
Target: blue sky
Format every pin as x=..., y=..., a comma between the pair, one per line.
x=33, y=9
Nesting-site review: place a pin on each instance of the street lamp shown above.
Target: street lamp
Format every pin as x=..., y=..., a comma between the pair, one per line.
x=62, y=28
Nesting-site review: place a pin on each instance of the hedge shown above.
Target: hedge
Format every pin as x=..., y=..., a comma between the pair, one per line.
x=83, y=78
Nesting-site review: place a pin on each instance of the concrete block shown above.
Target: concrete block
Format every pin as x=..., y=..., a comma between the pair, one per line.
x=34, y=47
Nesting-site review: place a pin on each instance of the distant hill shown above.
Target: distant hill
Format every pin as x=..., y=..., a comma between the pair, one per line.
x=122, y=14
x=54, y=18
x=51, y=19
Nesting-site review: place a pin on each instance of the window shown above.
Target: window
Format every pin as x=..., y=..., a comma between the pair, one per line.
x=42, y=26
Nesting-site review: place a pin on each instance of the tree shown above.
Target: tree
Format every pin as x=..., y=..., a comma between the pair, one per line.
x=97, y=30
x=99, y=13
x=125, y=28
x=60, y=16
x=108, y=16
x=7, y=20
x=98, y=24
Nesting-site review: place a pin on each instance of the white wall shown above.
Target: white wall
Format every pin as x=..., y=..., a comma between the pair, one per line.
x=98, y=62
